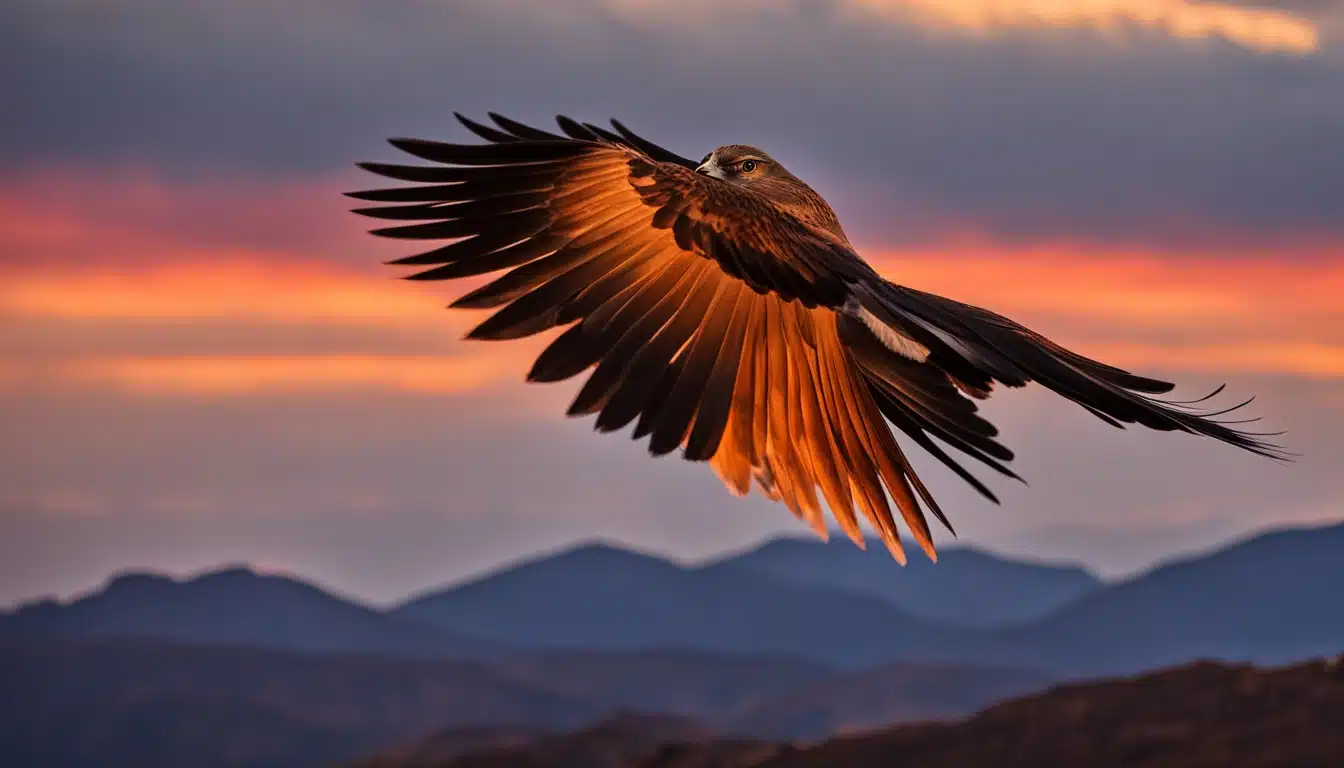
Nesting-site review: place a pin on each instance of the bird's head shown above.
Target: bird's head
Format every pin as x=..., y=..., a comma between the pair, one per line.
x=741, y=164
x=749, y=167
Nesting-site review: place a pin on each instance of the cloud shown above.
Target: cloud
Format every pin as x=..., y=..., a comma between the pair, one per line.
x=148, y=294
x=220, y=375
x=1259, y=29
x=1038, y=131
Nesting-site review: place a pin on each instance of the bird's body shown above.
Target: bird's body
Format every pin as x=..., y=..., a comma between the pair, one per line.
x=721, y=308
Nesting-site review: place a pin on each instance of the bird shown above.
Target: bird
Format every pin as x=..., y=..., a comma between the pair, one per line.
x=720, y=307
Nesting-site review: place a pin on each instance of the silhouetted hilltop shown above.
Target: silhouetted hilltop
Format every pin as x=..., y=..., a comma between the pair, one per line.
x=149, y=704
x=599, y=597
x=150, y=671
x=1204, y=714
x=612, y=743
x=236, y=606
x=966, y=587
x=701, y=684
x=875, y=698
x=1259, y=600
x=1271, y=599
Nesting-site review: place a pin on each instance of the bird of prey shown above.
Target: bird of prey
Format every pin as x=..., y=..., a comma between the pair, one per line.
x=720, y=306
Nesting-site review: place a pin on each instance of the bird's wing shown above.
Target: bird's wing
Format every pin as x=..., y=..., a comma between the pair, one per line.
x=977, y=347
x=706, y=315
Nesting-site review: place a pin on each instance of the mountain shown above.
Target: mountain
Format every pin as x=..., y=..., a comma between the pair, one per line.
x=144, y=703
x=612, y=743
x=450, y=743
x=1262, y=600
x=1259, y=600
x=1205, y=714
x=966, y=587
x=600, y=597
x=149, y=704
x=704, y=685
x=875, y=698
x=236, y=607
x=1271, y=599
x=1201, y=715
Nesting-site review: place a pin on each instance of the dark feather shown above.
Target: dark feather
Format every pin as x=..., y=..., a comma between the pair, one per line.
x=652, y=150
x=717, y=399
x=523, y=131
x=520, y=252
x=490, y=154
x=525, y=223
x=469, y=248
x=484, y=131
x=701, y=354
x=574, y=130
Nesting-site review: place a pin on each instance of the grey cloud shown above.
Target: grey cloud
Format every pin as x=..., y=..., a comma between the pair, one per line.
x=1033, y=133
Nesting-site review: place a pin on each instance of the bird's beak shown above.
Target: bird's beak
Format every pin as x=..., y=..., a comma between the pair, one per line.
x=710, y=168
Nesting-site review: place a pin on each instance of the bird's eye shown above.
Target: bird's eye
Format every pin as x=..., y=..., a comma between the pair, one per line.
x=748, y=166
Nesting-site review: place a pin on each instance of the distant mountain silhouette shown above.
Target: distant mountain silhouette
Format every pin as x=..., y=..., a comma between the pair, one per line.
x=705, y=685
x=612, y=743
x=876, y=698
x=1203, y=714
x=966, y=587
x=601, y=597
x=453, y=742
x=1264, y=600
x=236, y=607
x=1272, y=599
x=1261, y=600
x=570, y=638
x=150, y=705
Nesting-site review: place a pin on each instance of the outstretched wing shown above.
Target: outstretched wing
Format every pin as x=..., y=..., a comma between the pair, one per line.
x=723, y=326
x=702, y=313
x=978, y=347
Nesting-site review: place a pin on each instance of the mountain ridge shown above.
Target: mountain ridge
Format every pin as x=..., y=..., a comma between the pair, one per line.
x=1250, y=600
x=235, y=606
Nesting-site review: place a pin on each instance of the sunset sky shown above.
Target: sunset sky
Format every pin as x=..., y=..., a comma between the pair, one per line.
x=203, y=359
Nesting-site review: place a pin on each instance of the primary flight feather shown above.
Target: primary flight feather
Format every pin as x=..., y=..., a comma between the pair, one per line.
x=720, y=307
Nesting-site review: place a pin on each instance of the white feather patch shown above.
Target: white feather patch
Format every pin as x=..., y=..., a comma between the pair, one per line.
x=890, y=337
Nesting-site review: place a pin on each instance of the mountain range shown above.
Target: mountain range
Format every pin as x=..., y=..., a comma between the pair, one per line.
x=605, y=598
x=1204, y=714
x=791, y=640
x=1259, y=600
x=149, y=704
x=966, y=587
x=237, y=607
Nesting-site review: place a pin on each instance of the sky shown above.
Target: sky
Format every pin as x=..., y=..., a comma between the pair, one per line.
x=203, y=359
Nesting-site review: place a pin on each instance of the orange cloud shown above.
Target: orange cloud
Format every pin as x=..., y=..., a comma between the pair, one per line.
x=249, y=298
x=222, y=375
x=1295, y=358
x=247, y=288
x=1258, y=29
x=1190, y=295
x=1264, y=30
x=59, y=218
x=1216, y=317
x=255, y=290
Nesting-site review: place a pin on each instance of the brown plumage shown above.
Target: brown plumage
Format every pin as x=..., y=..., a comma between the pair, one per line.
x=720, y=307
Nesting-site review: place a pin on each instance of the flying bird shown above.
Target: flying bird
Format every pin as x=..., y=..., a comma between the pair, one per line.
x=720, y=307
